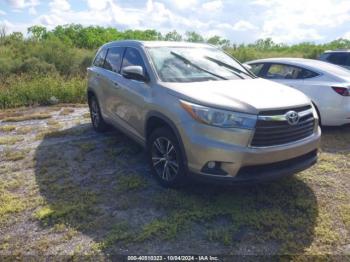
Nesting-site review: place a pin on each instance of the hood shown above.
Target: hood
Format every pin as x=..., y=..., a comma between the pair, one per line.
x=249, y=96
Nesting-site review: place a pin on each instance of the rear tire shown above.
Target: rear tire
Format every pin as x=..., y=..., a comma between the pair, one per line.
x=165, y=158
x=97, y=120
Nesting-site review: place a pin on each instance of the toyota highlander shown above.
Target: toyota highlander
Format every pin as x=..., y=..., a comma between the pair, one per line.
x=201, y=113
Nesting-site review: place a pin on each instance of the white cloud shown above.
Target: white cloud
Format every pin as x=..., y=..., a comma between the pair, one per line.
x=2, y=12
x=300, y=20
x=97, y=5
x=263, y=2
x=14, y=27
x=184, y=4
x=243, y=25
x=51, y=20
x=212, y=6
x=59, y=5
x=284, y=21
x=20, y=4
x=32, y=11
x=346, y=35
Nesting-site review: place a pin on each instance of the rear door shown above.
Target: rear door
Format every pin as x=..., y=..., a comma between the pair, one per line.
x=132, y=95
x=96, y=77
x=112, y=92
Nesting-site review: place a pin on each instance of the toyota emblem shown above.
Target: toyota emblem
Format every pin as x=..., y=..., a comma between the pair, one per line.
x=292, y=118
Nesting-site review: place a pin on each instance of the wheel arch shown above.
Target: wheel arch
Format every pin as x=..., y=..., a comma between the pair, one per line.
x=156, y=120
x=90, y=93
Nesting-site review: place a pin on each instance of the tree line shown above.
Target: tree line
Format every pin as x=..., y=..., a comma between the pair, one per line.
x=52, y=63
x=68, y=49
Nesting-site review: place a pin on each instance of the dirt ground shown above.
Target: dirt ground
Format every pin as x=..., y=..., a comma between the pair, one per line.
x=68, y=191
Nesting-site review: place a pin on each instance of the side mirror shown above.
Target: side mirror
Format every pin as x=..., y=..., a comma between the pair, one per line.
x=248, y=67
x=135, y=73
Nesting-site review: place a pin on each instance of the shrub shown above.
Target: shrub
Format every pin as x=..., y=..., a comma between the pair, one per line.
x=27, y=90
x=34, y=65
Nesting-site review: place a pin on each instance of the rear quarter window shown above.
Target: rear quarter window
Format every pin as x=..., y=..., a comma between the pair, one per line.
x=256, y=68
x=100, y=58
x=114, y=59
x=305, y=74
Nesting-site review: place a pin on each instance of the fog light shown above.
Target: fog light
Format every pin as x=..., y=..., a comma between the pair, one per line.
x=211, y=164
x=213, y=168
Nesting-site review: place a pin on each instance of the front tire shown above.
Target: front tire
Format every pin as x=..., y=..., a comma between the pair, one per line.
x=97, y=120
x=165, y=158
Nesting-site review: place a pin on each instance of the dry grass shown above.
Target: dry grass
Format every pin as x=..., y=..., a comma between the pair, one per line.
x=7, y=128
x=26, y=117
x=13, y=155
x=10, y=140
x=66, y=111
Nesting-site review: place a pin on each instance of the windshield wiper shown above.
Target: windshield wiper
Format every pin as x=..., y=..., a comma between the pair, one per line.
x=196, y=66
x=229, y=67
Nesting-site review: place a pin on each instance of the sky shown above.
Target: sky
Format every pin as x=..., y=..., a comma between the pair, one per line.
x=285, y=21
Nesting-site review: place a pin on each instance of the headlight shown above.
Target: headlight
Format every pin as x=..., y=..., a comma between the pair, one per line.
x=220, y=118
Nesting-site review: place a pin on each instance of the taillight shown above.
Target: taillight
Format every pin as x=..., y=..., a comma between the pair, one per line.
x=343, y=91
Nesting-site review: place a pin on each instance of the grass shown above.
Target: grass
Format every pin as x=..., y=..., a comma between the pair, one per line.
x=10, y=140
x=52, y=132
x=10, y=203
x=27, y=117
x=223, y=235
x=23, y=130
x=95, y=197
x=54, y=124
x=129, y=181
x=345, y=215
x=7, y=128
x=119, y=232
x=66, y=111
x=87, y=147
x=65, y=132
x=10, y=155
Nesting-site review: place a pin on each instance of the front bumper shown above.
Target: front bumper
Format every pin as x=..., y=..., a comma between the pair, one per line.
x=229, y=147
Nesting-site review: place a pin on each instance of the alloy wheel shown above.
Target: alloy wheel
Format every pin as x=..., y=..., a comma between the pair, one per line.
x=164, y=159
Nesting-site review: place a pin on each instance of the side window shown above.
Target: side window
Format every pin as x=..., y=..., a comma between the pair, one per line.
x=132, y=57
x=279, y=71
x=100, y=58
x=256, y=68
x=338, y=58
x=114, y=59
x=307, y=74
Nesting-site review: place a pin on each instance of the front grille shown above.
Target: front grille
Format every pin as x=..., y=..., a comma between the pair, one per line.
x=271, y=132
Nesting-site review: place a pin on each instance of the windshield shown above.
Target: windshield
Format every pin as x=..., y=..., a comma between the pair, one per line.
x=193, y=64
